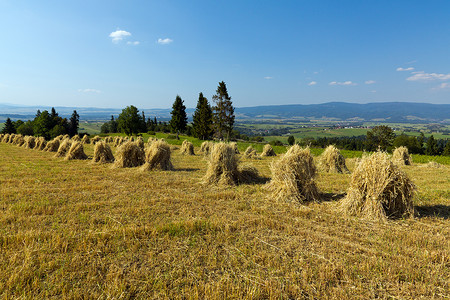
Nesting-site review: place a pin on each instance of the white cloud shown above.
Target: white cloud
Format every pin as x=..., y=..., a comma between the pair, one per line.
x=312, y=83
x=135, y=43
x=444, y=85
x=164, y=41
x=342, y=83
x=119, y=35
x=89, y=91
x=373, y=91
x=268, y=77
x=400, y=69
x=422, y=76
x=370, y=82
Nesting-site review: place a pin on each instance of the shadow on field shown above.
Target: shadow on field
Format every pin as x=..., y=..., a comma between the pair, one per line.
x=325, y=197
x=185, y=169
x=437, y=211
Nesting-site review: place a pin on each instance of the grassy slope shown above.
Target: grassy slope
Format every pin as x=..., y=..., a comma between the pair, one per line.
x=77, y=229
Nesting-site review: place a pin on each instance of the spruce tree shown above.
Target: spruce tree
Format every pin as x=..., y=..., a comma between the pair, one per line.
x=202, y=119
x=73, y=123
x=223, y=112
x=178, y=122
x=9, y=127
x=432, y=146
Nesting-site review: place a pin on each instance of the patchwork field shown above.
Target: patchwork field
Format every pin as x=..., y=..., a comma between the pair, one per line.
x=74, y=229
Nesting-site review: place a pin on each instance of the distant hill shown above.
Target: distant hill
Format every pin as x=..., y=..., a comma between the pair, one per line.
x=398, y=112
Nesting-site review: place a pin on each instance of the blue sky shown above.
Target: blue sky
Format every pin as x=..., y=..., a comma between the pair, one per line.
x=117, y=53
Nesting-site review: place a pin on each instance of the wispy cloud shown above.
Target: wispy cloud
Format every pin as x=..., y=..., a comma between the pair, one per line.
x=89, y=91
x=369, y=81
x=268, y=77
x=444, y=85
x=422, y=76
x=400, y=69
x=119, y=35
x=135, y=43
x=312, y=83
x=164, y=41
x=342, y=83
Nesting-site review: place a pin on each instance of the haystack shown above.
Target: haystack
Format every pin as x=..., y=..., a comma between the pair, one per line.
x=118, y=141
x=85, y=139
x=40, y=143
x=401, y=156
x=76, y=138
x=76, y=151
x=129, y=155
x=379, y=190
x=293, y=176
x=11, y=138
x=223, y=167
x=30, y=142
x=52, y=146
x=332, y=161
x=66, y=136
x=102, y=153
x=268, y=151
x=95, y=139
x=187, y=148
x=63, y=148
x=18, y=140
x=157, y=156
x=250, y=152
x=206, y=147
x=140, y=142
x=6, y=138
x=235, y=147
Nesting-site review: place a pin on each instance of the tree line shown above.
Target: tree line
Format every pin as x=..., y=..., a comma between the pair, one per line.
x=208, y=121
x=46, y=124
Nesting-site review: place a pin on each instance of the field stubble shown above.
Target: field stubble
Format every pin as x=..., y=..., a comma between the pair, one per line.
x=77, y=229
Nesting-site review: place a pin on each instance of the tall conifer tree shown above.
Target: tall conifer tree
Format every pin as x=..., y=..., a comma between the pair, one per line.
x=202, y=118
x=223, y=112
x=178, y=122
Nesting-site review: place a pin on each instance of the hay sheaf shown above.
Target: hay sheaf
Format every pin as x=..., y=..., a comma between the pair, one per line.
x=40, y=143
x=268, y=151
x=76, y=138
x=293, y=176
x=52, y=146
x=379, y=190
x=10, y=138
x=63, y=148
x=140, y=142
x=76, y=151
x=223, y=167
x=235, y=147
x=401, y=156
x=206, y=147
x=129, y=155
x=95, y=139
x=102, y=153
x=250, y=152
x=30, y=142
x=332, y=161
x=157, y=156
x=6, y=138
x=187, y=148
x=18, y=140
x=85, y=139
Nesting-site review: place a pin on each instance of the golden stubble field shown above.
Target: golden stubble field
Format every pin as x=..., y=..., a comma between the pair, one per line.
x=74, y=229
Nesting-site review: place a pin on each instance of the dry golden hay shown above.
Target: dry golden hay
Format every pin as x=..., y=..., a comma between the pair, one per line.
x=66, y=136
x=131, y=139
x=401, y=156
x=5, y=138
x=85, y=139
x=223, y=167
x=95, y=139
x=59, y=138
x=1, y=137
x=63, y=148
x=102, y=153
x=76, y=151
x=235, y=147
x=129, y=155
x=250, y=152
x=379, y=190
x=76, y=138
x=140, y=142
x=10, y=138
x=268, y=151
x=40, y=143
x=206, y=147
x=432, y=164
x=332, y=161
x=293, y=176
x=187, y=148
x=116, y=141
x=157, y=156
x=18, y=140
x=52, y=146
x=30, y=142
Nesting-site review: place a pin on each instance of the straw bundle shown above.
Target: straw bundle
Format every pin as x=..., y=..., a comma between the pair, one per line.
x=63, y=148
x=18, y=140
x=187, y=148
x=401, y=156
x=206, y=147
x=52, y=146
x=157, y=156
x=85, y=139
x=250, y=152
x=40, y=143
x=235, y=147
x=76, y=138
x=129, y=155
x=268, y=151
x=102, y=153
x=76, y=151
x=30, y=142
x=332, y=161
x=95, y=139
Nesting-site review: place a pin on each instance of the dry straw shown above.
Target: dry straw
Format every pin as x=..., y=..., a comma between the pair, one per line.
x=40, y=143
x=268, y=151
x=85, y=139
x=401, y=156
x=10, y=138
x=76, y=151
x=332, y=161
x=30, y=142
x=102, y=153
x=187, y=148
x=52, y=146
x=18, y=140
x=223, y=167
x=5, y=138
x=293, y=176
x=140, y=142
x=250, y=152
x=157, y=156
x=235, y=147
x=129, y=155
x=76, y=138
x=63, y=148
x=432, y=164
x=379, y=190
x=206, y=147
x=95, y=139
